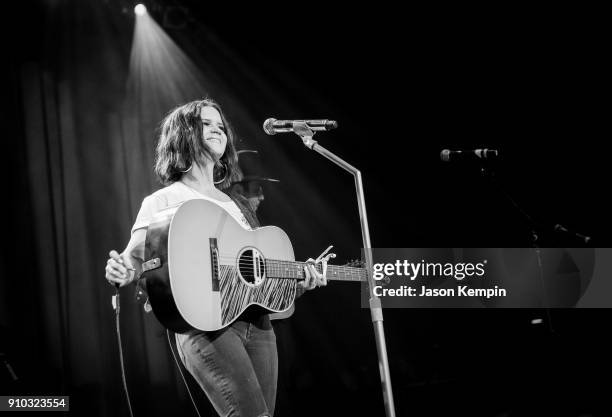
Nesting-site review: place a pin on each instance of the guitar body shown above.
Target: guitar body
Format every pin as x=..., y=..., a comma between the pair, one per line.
x=206, y=269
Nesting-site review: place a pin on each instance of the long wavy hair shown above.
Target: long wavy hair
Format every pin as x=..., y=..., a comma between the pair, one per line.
x=180, y=145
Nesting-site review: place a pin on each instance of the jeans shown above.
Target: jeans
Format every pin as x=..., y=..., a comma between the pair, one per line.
x=237, y=367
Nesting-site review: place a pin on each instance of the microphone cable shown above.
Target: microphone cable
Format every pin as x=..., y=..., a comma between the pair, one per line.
x=181, y=372
x=116, y=307
x=115, y=301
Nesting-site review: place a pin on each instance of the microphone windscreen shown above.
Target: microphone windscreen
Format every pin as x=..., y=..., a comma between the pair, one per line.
x=445, y=155
x=268, y=126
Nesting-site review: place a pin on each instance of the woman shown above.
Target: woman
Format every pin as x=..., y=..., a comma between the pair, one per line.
x=195, y=158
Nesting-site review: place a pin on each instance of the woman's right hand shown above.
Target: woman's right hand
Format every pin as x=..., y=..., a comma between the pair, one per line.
x=119, y=269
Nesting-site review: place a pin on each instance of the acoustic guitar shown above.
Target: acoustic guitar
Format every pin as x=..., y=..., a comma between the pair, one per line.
x=203, y=268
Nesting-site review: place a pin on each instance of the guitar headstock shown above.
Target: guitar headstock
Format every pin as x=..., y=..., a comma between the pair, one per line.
x=358, y=263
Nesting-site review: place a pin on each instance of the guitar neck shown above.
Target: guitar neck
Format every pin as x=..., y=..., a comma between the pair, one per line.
x=295, y=270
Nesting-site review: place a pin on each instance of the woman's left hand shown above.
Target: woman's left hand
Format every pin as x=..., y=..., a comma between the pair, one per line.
x=314, y=278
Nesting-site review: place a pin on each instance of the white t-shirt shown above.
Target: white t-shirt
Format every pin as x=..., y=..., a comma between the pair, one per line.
x=177, y=193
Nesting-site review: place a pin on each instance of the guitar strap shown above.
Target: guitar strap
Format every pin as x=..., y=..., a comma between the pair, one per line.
x=243, y=205
x=151, y=264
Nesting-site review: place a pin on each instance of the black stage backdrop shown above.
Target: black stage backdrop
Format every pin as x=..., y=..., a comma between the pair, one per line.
x=78, y=148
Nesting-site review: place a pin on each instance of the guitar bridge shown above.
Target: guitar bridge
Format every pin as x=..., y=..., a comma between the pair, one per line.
x=214, y=263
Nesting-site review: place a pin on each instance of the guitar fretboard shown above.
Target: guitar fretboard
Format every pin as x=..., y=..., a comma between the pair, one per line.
x=295, y=270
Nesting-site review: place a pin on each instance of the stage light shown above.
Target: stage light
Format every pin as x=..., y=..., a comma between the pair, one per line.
x=140, y=9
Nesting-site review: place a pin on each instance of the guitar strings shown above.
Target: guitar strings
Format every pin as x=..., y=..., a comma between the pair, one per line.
x=246, y=266
x=280, y=263
x=289, y=266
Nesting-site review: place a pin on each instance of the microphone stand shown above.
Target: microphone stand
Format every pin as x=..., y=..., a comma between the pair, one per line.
x=534, y=227
x=302, y=130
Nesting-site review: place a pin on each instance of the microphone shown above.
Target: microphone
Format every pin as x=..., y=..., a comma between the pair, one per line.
x=272, y=126
x=447, y=155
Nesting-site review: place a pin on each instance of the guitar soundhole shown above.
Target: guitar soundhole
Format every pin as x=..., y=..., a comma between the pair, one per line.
x=251, y=266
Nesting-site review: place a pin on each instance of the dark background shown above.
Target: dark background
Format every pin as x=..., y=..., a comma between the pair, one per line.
x=402, y=85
